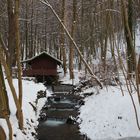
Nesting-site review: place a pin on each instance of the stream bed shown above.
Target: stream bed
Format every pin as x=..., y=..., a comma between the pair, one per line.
x=59, y=114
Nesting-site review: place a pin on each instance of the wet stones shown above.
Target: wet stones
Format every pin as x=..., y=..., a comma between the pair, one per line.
x=71, y=120
x=43, y=117
x=83, y=85
x=81, y=102
x=41, y=94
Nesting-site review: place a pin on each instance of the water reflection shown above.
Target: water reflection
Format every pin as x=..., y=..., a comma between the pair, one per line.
x=53, y=122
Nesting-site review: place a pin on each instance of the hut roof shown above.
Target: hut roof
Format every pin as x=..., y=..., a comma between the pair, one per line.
x=59, y=62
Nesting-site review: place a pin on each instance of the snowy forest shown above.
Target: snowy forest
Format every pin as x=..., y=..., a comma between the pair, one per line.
x=69, y=70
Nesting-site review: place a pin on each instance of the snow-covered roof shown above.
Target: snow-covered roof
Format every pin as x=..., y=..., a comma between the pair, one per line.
x=59, y=62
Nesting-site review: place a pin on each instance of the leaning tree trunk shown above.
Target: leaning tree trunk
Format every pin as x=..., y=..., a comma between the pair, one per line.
x=74, y=44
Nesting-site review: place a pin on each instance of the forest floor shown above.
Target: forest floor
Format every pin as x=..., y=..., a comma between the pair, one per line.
x=109, y=115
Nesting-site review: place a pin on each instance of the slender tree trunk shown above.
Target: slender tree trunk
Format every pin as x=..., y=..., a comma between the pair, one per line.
x=11, y=34
x=81, y=39
x=18, y=56
x=138, y=69
x=71, y=55
x=62, y=40
x=26, y=32
x=127, y=18
x=31, y=32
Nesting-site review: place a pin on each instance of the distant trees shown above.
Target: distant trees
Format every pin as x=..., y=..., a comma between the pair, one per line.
x=88, y=31
x=88, y=21
x=91, y=30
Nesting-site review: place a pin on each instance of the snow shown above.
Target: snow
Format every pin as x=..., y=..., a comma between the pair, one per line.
x=66, y=79
x=109, y=115
x=30, y=90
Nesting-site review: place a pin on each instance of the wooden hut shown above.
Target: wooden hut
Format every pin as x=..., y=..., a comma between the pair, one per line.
x=42, y=66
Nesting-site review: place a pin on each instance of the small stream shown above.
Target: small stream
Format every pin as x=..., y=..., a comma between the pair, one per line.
x=59, y=115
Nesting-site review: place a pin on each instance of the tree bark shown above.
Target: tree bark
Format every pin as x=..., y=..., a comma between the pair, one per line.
x=4, y=105
x=127, y=17
x=62, y=40
x=2, y=134
x=18, y=53
x=71, y=55
x=11, y=34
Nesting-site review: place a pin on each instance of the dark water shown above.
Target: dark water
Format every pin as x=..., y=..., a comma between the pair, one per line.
x=58, y=108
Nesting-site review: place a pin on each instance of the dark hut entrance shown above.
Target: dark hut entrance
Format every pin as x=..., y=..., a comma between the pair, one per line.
x=43, y=67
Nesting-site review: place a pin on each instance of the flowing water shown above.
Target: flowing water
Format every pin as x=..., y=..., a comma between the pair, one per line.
x=58, y=109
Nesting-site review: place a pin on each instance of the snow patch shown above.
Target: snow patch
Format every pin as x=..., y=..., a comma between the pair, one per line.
x=109, y=115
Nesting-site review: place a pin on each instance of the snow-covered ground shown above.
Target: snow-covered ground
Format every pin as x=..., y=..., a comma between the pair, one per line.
x=66, y=79
x=106, y=114
x=30, y=90
x=109, y=115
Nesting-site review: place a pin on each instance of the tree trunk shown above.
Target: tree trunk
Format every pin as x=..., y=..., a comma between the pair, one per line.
x=4, y=104
x=71, y=55
x=62, y=40
x=26, y=33
x=11, y=34
x=81, y=35
x=138, y=69
x=2, y=134
x=18, y=53
x=127, y=18
x=9, y=79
